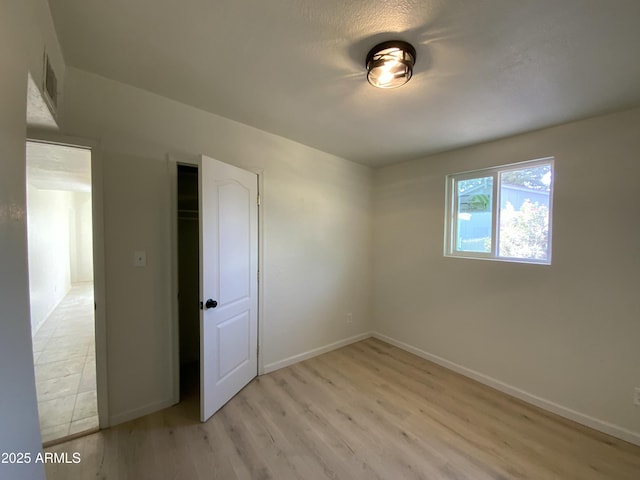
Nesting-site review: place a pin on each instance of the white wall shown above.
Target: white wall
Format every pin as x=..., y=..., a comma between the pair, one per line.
x=317, y=232
x=25, y=26
x=49, y=223
x=568, y=332
x=81, y=238
x=60, y=247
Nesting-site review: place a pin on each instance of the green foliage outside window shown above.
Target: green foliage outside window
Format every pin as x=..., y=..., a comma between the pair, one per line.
x=524, y=233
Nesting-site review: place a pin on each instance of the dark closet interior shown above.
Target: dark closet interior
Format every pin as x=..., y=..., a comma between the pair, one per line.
x=188, y=279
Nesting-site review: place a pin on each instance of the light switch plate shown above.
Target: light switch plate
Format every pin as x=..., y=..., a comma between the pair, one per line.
x=140, y=258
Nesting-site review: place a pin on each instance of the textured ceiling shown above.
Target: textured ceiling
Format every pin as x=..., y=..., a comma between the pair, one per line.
x=58, y=167
x=485, y=68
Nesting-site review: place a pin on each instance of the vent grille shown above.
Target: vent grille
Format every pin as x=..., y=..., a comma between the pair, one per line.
x=50, y=86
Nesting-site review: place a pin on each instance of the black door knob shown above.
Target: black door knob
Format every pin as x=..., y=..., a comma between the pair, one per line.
x=210, y=304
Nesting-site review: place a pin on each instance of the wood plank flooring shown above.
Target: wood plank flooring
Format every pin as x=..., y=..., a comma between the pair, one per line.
x=365, y=411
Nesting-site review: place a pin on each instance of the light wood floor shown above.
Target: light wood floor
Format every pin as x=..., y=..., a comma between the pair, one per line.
x=366, y=411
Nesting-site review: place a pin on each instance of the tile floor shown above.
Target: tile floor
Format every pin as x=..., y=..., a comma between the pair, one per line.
x=65, y=366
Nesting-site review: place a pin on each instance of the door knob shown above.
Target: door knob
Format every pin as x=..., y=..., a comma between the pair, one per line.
x=210, y=304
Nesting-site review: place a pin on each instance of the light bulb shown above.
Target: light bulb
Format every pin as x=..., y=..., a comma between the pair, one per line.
x=390, y=64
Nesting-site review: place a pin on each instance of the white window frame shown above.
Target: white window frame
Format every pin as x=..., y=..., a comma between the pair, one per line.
x=451, y=212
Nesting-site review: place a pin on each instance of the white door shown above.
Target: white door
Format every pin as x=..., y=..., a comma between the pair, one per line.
x=228, y=282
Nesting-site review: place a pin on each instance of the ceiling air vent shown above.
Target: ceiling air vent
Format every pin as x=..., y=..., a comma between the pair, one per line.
x=50, y=85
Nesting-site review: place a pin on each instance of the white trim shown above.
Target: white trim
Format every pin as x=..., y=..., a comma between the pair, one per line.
x=597, y=424
x=140, y=412
x=172, y=174
x=285, y=362
x=99, y=286
x=451, y=211
x=260, y=173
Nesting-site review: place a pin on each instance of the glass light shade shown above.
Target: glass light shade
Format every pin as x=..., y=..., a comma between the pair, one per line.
x=390, y=64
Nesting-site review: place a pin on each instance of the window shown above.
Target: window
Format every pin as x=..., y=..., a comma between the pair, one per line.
x=501, y=213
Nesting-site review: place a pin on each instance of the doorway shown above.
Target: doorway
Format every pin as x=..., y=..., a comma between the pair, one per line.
x=216, y=234
x=61, y=288
x=188, y=283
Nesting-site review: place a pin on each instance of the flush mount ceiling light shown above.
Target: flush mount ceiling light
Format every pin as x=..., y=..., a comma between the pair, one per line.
x=390, y=64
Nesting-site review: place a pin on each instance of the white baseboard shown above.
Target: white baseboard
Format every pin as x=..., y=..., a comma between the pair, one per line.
x=271, y=367
x=139, y=412
x=596, y=424
x=154, y=407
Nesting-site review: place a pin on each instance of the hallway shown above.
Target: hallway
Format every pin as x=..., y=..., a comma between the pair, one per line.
x=65, y=367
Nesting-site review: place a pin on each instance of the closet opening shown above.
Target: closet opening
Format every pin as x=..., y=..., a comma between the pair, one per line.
x=188, y=283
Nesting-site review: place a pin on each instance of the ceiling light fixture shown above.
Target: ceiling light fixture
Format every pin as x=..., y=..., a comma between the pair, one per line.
x=390, y=64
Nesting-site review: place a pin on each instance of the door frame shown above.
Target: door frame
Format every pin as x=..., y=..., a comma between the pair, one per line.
x=173, y=160
x=97, y=212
